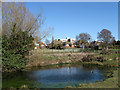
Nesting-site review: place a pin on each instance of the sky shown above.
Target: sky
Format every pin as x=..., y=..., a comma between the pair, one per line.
x=72, y=18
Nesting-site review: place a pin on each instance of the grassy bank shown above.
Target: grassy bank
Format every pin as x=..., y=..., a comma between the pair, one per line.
x=37, y=58
x=110, y=60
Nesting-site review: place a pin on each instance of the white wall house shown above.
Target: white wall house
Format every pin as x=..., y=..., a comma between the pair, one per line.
x=67, y=39
x=36, y=44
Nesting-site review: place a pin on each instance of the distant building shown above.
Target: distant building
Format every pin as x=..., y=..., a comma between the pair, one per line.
x=38, y=44
x=67, y=42
x=42, y=45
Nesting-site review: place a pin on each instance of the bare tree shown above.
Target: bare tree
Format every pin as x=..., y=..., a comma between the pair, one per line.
x=44, y=33
x=17, y=14
x=106, y=37
x=83, y=38
x=47, y=41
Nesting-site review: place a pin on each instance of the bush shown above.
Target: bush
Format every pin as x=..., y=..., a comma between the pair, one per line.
x=107, y=52
x=14, y=49
x=13, y=61
x=90, y=58
x=100, y=59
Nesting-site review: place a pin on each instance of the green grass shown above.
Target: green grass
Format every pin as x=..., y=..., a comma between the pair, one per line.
x=39, y=57
x=110, y=60
x=114, y=49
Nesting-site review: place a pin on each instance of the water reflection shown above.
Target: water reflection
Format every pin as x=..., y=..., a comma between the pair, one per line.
x=66, y=74
x=54, y=77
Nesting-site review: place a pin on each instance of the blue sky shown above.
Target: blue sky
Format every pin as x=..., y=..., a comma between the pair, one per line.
x=72, y=18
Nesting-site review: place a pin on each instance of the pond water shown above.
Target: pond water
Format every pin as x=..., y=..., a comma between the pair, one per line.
x=59, y=77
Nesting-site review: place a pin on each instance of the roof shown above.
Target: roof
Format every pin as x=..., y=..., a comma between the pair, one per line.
x=41, y=43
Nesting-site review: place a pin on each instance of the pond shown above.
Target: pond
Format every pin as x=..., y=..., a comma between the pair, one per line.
x=56, y=77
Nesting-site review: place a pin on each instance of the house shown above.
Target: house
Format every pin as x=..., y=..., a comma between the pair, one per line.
x=38, y=44
x=41, y=45
x=67, y=42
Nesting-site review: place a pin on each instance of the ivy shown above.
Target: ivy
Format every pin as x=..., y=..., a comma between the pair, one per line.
x=14, y=49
